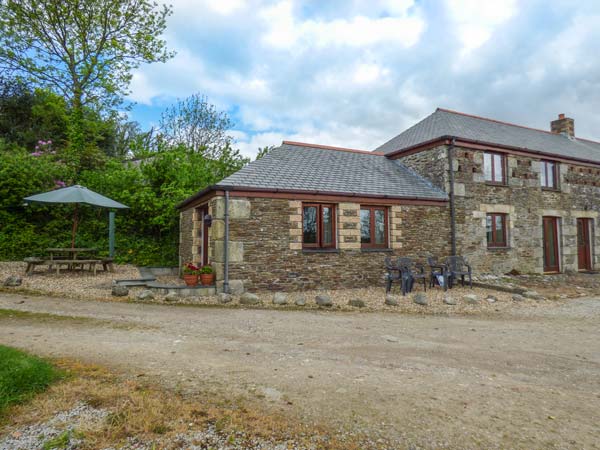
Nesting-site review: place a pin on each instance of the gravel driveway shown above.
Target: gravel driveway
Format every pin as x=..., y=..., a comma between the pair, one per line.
x=530, y=379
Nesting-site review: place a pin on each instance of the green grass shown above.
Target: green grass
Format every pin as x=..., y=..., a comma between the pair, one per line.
x=22, y=376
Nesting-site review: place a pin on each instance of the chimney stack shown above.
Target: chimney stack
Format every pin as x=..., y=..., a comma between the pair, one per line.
x=563, y=125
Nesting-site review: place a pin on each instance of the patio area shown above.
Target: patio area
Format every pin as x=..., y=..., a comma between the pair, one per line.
x=457, y=301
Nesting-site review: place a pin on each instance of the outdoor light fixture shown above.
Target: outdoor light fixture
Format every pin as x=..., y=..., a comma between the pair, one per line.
x=208, y=220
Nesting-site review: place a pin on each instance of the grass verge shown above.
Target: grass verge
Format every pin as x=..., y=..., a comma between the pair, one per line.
x=22, y=376
x=142, y=409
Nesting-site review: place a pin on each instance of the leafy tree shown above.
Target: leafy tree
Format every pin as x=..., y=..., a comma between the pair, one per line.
x=83, y=49
x=262, y=151
x=197, y=125
x=27, y=116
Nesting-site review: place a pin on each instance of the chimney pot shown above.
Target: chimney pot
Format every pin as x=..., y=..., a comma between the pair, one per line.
x=563, y=125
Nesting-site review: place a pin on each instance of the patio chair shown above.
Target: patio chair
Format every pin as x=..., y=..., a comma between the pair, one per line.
x=393, y=273
x=436, y=270
x=457, y=266
x=411, y=272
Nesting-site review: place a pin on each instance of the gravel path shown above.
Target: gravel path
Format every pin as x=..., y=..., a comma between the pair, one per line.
x=528, y=378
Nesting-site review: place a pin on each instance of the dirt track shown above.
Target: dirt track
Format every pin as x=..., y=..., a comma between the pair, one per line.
x=526, y=380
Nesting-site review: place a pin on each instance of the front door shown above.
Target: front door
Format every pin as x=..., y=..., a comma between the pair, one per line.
x=551, y=259
x=584, y=253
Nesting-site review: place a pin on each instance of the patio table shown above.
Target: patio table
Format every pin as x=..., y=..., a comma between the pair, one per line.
x=69, y=253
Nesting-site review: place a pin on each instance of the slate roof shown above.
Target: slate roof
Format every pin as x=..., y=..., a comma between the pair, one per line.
x=303, y=167
x=445, y=123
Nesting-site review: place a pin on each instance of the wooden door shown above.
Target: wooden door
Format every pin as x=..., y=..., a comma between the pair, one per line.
x=584, y=251
x=551, y=253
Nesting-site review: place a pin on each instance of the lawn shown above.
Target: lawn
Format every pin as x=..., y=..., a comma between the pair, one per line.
x=22, y=376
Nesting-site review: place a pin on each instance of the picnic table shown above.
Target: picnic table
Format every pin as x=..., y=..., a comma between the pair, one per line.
x=71, y=258
x=69, y=253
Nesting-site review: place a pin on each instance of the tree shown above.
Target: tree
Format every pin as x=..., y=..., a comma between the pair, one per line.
x=262, y=151
x=83, y=49
x=29, y=115
x=197, y=125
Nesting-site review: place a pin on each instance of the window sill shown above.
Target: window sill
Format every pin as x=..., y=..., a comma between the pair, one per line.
x=320, y=250
x=549, y=189
x=498, y=248
x=375, y=250
x=491, y=183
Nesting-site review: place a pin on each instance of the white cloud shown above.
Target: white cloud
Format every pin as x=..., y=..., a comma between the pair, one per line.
x=354, y=74
x=284, y=31
x=476, y=21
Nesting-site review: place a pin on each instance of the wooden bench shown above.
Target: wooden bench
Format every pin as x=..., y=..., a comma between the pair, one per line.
x=32, y=262
x=107, y=265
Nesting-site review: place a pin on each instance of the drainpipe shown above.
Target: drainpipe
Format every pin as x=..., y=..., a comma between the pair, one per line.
x=226, y=246
x=452, y=210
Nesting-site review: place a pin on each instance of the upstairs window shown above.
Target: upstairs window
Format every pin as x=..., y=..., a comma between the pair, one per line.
x=373, y=227
x=496, y=230
x=318, y=225
x=494, y=168
x=549, y=175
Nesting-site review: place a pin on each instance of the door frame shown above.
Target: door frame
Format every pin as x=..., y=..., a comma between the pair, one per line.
x=555, y=228
x=586, y=226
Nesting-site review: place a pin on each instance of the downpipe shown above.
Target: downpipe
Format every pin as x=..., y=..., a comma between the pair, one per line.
x=226, y=247
x=451, y=193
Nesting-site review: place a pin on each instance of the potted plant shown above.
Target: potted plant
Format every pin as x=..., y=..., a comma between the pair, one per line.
x=190, y=274
x=207, y=275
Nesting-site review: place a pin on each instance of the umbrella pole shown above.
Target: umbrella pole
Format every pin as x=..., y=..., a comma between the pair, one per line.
x=74, y=231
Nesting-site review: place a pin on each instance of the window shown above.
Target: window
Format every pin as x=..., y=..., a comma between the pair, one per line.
x=318, y=225
x=373, y=227
x=549, y=172
x=496, y=230
x=494, y=168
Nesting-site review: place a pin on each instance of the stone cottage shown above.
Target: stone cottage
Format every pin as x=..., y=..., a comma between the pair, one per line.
x=508, y=197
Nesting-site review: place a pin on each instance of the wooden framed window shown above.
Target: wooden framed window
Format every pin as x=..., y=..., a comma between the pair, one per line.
x=494, y=168
x=549, y=174
x=318, y=225
x=496, y=230
x=373, y=227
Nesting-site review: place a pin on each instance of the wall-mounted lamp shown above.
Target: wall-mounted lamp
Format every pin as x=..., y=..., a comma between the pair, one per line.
x=208, y=220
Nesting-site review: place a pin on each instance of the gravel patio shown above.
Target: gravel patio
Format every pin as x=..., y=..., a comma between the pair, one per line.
x=460, y=300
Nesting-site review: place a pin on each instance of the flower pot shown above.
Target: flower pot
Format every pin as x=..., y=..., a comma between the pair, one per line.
x=207, y=279
x=190, y=280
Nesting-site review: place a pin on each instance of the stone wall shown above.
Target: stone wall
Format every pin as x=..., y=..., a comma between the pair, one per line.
x=186, y=236
x=524, y=202
x=266, y=244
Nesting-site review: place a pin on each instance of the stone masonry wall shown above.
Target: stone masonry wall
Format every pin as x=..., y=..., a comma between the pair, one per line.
x=266, y=249
x=525, y=203
x=185, y=236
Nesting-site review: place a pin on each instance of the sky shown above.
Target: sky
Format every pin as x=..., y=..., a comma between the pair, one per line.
x=354, y=74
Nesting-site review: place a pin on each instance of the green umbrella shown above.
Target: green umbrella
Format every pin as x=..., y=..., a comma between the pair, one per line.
x=79, y=194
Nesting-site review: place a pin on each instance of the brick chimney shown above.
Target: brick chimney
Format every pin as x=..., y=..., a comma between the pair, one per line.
x=563, y=125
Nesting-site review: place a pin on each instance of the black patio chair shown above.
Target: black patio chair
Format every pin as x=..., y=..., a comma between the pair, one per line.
x=411, y=272
x=393, y=273
x=457, y=266
x=436, y=269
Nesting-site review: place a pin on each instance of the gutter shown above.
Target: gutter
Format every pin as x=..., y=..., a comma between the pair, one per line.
x=452, y=208
x=447, y=139
x=229, y=188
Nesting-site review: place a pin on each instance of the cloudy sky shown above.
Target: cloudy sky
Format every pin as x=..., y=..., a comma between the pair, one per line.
x=355, y=73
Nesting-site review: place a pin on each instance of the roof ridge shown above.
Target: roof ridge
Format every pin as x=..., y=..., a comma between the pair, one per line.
x=329, y=147
x=474, y=116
